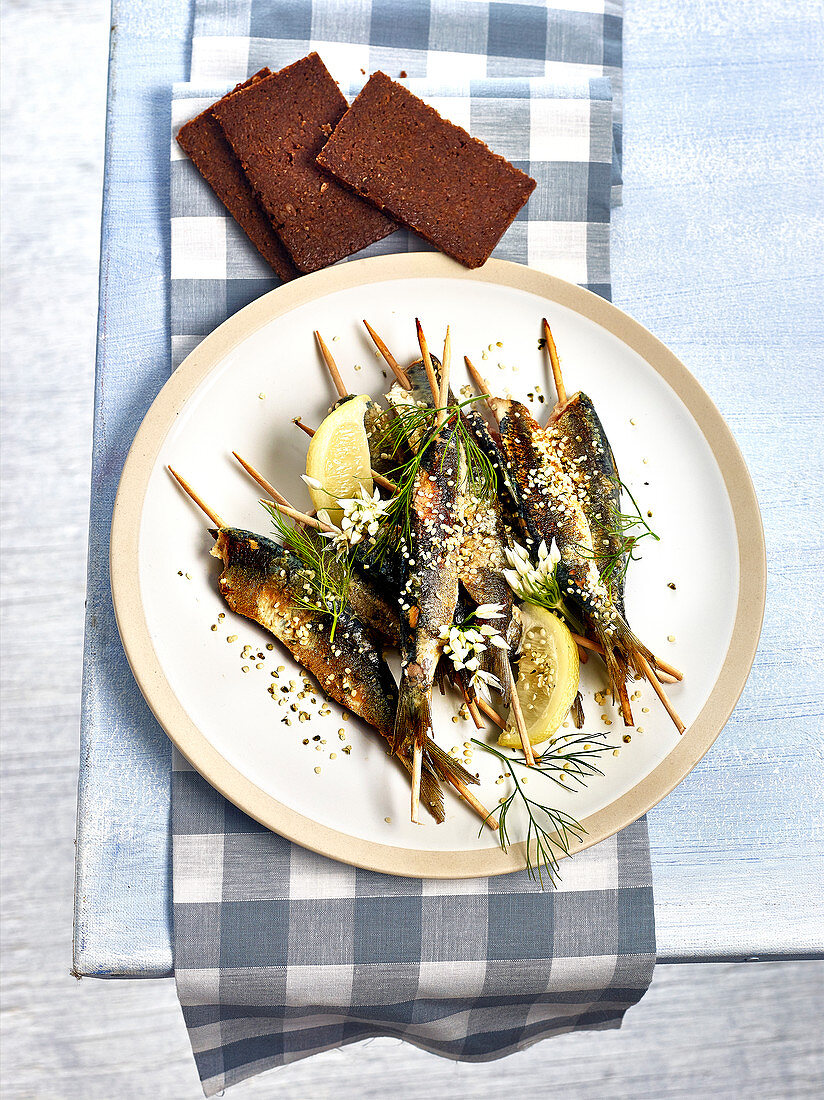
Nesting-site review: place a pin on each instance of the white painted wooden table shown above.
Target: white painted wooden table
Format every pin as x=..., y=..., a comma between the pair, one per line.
x=717, y=1030
x=715, y=251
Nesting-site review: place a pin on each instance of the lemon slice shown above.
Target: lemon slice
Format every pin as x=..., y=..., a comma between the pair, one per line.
x=338, y=457
x=547, y=676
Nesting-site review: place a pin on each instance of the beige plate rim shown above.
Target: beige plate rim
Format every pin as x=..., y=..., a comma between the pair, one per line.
x=192, y=743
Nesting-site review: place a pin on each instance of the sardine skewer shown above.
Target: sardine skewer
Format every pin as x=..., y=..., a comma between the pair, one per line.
x=187, y=488
x=448, y=774
x=560, y=389
x=427, y=364
x=517, y=713
x=379, y=479
x=390, y=359
x=555, y=363
x=331, y=365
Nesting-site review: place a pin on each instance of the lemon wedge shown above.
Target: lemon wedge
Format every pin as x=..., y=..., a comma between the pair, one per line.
x=547, y=676
x=338, y=457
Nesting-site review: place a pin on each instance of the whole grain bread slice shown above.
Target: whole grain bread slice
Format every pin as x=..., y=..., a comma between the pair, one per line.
x=430, y=175
x=205, y=144
x=277, y=127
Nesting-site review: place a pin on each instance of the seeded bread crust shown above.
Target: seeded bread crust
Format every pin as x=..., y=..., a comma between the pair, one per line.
x=430, y=175
x=277, y=127
x=204, y=143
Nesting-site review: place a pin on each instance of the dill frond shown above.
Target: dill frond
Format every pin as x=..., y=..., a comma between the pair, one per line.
x=328, y=574
x=415, y=428
x=627, y=530
x=549, y=831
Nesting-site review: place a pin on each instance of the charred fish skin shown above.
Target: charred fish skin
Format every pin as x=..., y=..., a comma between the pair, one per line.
x=582, y=441
x=481, y=567
x=551, y=498
x=431, y=588
x=266, y=582
x=552, y=493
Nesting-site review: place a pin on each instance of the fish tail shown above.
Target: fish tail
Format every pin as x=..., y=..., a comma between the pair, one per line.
x=413, y=718
x=431, y=793
x=445, y=767
x=413, y=725
x=617, y=671
x=577, y=711
x=623, y=653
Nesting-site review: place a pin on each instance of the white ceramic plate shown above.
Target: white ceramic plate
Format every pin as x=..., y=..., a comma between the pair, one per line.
x=240, y=390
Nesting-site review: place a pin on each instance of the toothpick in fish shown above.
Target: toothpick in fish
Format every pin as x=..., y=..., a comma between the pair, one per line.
x=389, y=358
x=427, y=363
x=443, y=393
x=187, y=488
x=555, y=363
x=331, y=366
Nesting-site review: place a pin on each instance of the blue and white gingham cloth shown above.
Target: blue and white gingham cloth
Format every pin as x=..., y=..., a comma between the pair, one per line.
x=281, y=953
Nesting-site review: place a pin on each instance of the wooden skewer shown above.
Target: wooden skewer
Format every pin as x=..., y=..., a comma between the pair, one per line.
x=555, y=363
x=659, y=691
x=379, y=479
x=427, y=363
x=583, y=656
x=471, y=704
x=417, y=756
x=672, y=675
x=186, y=487
x=667, y=673
x=303, y=427
x=299, y=517
x=331, y=365
x=472, y=707
x=257, y=476
x=475, y=803
x=490, y=712
x=443, y=393
x=482, y=386
x=280, y=501
x=391, y=361
x=520, y=724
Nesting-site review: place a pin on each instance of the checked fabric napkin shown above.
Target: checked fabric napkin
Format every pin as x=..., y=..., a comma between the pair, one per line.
x=281, y=953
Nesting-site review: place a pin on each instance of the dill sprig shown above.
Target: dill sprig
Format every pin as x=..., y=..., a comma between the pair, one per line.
x=328, y=574
x=629, y=529
x=416, y=427
x=550, y=832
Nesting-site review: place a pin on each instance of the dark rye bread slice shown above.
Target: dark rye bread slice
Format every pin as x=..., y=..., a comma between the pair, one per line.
x=204, y=143
x=277, y=127
x=429, y=174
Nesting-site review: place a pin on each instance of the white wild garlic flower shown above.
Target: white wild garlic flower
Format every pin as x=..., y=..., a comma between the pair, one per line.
x=465, y=644
x=361, y=518
x=533, y=582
